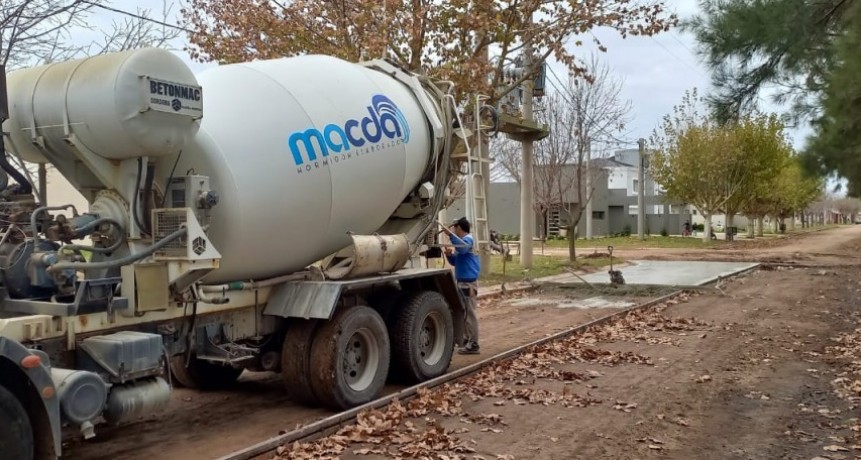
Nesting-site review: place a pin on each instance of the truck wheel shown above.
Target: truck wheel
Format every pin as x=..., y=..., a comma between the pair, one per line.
x=16, y=434
x=422, y=333
x=296, y=360
x=350, y=358
x=201, y=374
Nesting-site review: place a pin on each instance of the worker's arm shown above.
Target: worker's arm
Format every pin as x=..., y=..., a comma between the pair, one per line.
x=462, y=246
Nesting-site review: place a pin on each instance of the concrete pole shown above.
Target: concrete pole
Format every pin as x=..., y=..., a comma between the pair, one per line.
x=588, y=190
x=641, y=191
x=527, y=215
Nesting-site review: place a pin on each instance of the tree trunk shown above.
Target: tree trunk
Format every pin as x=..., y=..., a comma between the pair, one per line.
x=792, y=223
x=760, y=227
x=572, y=243
x=730, y=220
x=751, y=226
x=707, y=228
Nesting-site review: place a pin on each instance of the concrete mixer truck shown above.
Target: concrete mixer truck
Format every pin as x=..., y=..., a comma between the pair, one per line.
x=269, y=216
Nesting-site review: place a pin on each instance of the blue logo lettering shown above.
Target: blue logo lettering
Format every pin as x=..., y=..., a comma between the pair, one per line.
x=384, y=119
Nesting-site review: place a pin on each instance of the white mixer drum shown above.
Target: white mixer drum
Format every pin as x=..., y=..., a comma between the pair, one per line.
x=144, y=102
x=302, y=150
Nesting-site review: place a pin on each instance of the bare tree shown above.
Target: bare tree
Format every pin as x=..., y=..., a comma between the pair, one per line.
x=37, y=30
x=596, y=113
x=34, y=32
x=578, y=112
x=849, y=208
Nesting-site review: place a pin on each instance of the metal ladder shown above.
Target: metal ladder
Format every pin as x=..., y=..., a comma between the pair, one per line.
x=476, y=192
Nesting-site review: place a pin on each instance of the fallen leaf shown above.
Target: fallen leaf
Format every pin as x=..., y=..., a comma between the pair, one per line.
x=835, y=448
x=655, y=447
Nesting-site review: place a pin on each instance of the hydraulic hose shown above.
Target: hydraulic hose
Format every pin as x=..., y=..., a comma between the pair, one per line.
x=123, y=261
x=43, y=209
x=86, y=228
x=147, y=199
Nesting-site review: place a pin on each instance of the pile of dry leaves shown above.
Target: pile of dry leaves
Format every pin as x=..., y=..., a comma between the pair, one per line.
x=847, y=385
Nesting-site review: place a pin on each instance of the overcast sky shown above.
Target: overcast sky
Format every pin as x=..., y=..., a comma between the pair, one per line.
x=656, y=70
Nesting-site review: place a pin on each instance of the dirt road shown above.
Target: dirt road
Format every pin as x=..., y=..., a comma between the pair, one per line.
x=759, y=345
x=769, y=370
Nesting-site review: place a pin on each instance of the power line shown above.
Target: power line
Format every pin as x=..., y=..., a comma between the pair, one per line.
x=697, y=71
x=568, y=99
x=137, y=16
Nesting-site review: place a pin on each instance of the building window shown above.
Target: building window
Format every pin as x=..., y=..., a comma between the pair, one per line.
x=598, y=215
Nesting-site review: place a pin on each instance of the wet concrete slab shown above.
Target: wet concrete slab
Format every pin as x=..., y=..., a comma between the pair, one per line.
x=564, y=302
x=671, y=273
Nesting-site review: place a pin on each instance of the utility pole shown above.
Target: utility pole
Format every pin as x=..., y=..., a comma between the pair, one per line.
x=588, y=190
x=527, y=216
x=641, y=186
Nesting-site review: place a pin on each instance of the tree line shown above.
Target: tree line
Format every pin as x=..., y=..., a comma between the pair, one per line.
x=741, y=166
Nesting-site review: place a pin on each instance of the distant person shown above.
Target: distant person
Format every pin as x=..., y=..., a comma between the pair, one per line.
x=466, y=270
x=495, y=244
x=686, y=230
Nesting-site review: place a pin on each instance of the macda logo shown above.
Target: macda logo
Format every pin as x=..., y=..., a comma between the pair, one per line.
x=384, y=119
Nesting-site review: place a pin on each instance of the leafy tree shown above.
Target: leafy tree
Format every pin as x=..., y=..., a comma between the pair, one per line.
x=694, y=159
x=753, y=44
x=762, y=152
x=836, y=143
x=453, y=40
x=806, y=50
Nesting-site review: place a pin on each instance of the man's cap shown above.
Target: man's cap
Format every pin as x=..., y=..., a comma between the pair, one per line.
x=463, y=223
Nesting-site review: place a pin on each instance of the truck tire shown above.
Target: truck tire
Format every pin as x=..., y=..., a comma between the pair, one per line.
x=422, y=335
x=202, y=375
x=16, y=434
x=350, y=358
x=296, y=360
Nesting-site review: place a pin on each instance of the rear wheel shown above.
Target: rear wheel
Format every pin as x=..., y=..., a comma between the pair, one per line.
x=16, y=434
x=201, y=374
x=350, y=358
x=296, y=360
x=422, y=334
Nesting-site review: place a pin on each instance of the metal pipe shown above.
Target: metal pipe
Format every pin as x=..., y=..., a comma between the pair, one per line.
x=43, y=209
x=123, y=261
x=252, y=285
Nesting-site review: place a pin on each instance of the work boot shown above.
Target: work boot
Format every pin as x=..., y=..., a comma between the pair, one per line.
x=471, y=348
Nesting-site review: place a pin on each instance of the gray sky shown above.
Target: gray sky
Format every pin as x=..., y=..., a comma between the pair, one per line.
x=656, y=70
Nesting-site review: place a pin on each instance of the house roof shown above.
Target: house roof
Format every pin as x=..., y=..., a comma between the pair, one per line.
x=609, y=163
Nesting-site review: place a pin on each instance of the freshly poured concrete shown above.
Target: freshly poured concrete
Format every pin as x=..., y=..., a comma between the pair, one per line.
x=670, y=273
x=562, y=302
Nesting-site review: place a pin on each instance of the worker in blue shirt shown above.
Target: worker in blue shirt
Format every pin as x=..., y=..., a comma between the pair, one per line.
x=466, y=270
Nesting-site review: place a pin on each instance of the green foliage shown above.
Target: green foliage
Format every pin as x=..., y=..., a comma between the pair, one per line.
x=744, y=165
x=751, y=44
x=836, y=144
x=693, y=157
x=807, y=49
